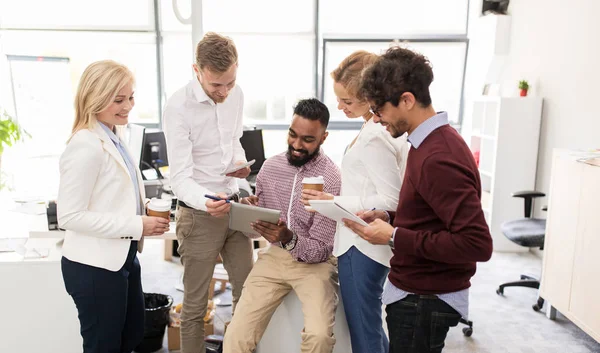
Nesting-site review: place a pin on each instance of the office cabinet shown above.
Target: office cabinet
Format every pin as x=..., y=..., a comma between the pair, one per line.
x=572, y=244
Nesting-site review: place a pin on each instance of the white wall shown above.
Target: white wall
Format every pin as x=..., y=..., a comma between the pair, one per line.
x=555, y=44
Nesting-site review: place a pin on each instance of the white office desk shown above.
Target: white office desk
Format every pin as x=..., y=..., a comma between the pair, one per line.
x=38, y=315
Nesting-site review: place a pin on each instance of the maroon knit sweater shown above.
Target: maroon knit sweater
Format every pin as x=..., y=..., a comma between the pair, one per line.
x=441, y=231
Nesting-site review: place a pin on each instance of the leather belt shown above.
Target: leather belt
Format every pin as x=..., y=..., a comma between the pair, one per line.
x=234, y=197
x=182, y=204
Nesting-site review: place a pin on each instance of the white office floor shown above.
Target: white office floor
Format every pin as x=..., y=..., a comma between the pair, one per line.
x=501, y=324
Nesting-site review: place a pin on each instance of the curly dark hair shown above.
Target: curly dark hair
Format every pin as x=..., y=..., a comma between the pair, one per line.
x=312, y=109
x=397, y=71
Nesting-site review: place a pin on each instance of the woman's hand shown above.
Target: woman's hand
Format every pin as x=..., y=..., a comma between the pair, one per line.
x=154, y=225
x=309, y=194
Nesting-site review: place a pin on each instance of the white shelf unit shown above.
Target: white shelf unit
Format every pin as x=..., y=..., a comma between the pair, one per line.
x=505, y=131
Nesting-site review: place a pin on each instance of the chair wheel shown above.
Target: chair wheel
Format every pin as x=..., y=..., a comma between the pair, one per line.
x=536, y=307
x=500, y=291
x=467, y=331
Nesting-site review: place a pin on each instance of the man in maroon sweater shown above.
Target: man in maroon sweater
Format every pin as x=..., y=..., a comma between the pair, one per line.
x=438, y=231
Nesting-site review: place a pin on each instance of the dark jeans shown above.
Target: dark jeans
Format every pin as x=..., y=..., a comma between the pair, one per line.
x=419, y=324
x=110, y=304
x=361, y=285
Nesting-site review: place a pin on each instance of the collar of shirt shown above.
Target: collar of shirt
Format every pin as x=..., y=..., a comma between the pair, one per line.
x=110, y=134
x=199, y=93
x=427, y=127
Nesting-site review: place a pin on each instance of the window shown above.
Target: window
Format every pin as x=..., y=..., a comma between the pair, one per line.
x=384, y=18
x=276, y=53
x=44, y=48
x=135, y=50
x=77, y=14
x=447, y=58
x=285, y=55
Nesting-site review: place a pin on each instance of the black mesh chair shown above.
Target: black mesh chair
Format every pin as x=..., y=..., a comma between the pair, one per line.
x=529, y=232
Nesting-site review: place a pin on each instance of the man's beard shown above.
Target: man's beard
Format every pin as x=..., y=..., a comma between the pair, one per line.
x=214, y=96
x=300, y=161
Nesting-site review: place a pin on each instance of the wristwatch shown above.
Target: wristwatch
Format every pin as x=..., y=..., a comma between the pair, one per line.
x=292, y=243
x=391, y=241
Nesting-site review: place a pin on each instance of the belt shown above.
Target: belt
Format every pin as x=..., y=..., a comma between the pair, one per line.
x=182, y=204
x=234, y=197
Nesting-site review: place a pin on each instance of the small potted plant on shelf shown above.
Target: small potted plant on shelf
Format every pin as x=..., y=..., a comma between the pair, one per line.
x=524, y=87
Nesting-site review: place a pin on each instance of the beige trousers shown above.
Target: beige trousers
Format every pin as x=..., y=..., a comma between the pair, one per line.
x=201, y=239
x=274, y=275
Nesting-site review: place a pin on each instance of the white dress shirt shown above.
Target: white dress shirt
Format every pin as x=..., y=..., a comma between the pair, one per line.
x=203, y=140
x=372, y=173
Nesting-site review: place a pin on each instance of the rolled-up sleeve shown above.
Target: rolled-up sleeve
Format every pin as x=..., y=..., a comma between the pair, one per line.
x=316, y=245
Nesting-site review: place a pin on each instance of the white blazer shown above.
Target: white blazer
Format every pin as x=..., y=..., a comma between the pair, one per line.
x=96, y=202
x=372, y=174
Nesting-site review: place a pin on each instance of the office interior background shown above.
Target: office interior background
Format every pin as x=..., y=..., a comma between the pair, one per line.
x=287, y=50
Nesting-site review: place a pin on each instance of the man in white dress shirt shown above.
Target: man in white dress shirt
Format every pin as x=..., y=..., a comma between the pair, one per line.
x=203, y=126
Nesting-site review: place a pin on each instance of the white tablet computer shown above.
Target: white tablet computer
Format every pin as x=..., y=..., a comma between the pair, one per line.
x=235, y=168
x=240, y=216
x=333, y=210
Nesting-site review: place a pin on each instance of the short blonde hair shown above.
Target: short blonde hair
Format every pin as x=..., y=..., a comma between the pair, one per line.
x=216, y=52
x=349, y=72
x=98, y=86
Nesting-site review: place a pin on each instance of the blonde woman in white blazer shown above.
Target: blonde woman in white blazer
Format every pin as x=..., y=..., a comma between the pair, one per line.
x=372, y=173
x=100, y=205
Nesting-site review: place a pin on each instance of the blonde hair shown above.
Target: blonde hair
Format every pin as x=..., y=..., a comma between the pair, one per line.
x=98, y=86
x=216, y=52
x=349, y=72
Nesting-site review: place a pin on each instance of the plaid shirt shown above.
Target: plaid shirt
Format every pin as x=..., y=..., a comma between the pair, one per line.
x=279, y=187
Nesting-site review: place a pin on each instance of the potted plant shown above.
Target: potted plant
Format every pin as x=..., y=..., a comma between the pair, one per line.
x=10, y=132
x=524, y=87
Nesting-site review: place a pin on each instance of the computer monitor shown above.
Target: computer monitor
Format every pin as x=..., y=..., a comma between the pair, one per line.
x=154, y=154
x=252, y=142
x=136, y=142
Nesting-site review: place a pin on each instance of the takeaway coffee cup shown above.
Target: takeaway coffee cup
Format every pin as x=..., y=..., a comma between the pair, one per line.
x=312, y=183
x=159, y=208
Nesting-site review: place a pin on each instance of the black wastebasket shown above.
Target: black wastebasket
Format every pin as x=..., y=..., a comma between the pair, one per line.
x=155, y=322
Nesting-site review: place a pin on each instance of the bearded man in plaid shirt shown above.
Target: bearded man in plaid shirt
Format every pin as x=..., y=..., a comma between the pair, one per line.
x=300, y=255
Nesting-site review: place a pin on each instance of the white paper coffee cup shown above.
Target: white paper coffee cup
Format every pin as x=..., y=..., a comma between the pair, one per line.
x=159, y=208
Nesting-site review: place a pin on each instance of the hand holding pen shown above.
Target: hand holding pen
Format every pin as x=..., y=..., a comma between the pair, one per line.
x=217, y=205
x=371, y=215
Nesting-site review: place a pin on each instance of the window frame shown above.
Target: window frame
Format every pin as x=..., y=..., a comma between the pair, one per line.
x=409, y=39
x=320, y=42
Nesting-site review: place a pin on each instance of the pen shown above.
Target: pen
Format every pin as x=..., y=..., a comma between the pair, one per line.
x=216, y=198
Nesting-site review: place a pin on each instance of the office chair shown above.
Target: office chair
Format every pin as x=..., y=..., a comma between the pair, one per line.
x=528, y=232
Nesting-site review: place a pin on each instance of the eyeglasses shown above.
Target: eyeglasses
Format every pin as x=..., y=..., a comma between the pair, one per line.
x=375, y=111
